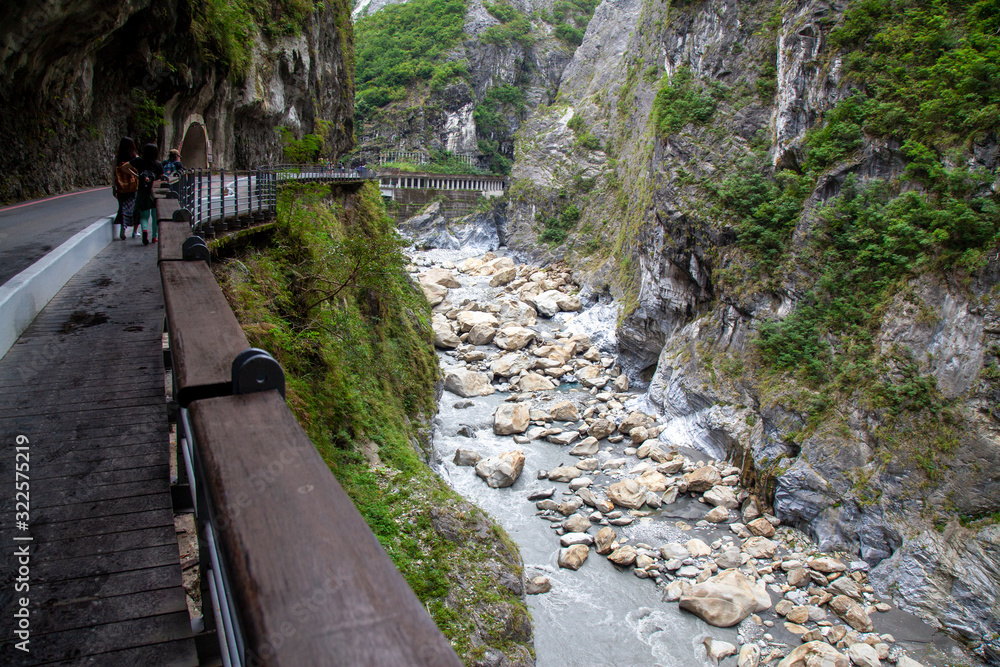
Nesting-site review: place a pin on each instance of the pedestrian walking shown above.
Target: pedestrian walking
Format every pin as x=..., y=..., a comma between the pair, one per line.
x=125, y=184
x=149, y=170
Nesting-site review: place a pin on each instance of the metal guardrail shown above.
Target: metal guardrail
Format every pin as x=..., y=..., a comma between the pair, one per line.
x=218, y=201
x=292, y=572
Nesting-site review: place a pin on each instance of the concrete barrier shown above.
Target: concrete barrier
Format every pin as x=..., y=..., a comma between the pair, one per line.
x=23, y=296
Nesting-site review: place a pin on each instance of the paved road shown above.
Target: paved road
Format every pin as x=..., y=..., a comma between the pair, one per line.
x=30, y=230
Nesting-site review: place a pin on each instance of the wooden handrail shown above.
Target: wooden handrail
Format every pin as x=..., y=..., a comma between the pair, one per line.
x=311, y=582
x=304, y=580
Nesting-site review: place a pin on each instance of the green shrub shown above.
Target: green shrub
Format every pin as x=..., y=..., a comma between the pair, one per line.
x=514, y=28
x=679, y=102
x=927, y=69
x=556, y=228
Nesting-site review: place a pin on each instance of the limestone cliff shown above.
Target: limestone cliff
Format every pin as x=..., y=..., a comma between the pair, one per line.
x=76, y=75
x=713, y=166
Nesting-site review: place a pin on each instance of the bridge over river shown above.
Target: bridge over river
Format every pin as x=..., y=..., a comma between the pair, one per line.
x=136, y=356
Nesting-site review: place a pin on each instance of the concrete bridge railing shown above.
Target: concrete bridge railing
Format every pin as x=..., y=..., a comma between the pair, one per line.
x=290, y=570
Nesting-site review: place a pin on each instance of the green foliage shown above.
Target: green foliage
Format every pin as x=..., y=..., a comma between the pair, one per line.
x=556, y=228
x=514, y=28
x=570, y=18
x=838, y=137
x=584, y=137
x=309, y=148
x=402, y=45
x=927, y=69
x=764, y=208
x=227, y=29
x=680, y=101
x=872, y=241
x=146, y=118
x=491, y=124
x=569, y=34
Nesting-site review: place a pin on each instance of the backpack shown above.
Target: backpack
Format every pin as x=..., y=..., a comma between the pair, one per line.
x=146, y=178
x=126, y=180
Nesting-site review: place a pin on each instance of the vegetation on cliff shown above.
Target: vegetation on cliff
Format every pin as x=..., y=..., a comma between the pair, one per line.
x=403, y=46
x=329, y=298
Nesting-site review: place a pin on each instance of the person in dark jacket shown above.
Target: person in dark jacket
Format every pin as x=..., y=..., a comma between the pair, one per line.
x=126, y=200
x=149, y=170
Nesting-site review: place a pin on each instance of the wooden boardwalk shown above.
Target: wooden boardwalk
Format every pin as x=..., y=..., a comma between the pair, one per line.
x=84, y=385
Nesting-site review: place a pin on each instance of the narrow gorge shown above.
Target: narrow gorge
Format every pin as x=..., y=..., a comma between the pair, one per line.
x=793, y=207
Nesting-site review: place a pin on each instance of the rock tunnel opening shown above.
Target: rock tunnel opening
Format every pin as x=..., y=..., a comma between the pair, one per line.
x=194, y=147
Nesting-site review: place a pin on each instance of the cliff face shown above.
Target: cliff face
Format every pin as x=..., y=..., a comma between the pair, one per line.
x=719, y=181
x=77, y=75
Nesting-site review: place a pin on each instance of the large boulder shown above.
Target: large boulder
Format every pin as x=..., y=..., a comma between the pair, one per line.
x=511, y=418
x=574, y=556
x=467, y=457
x=510, y=365
x=653, y=481
x=434, y=293
x=760, y=547
x=627, y=493
x=518, y=312
x=564, y=474
x=722, y=496
x=503, y=276
x=634, y=419
x=623, y=555
x=482, y=334
x=604, y=539
x=725, y=599
x=568, y=303
x=703, y=479
x=545, y=303
x=852, y=613
x=467, y=383
x=442, y=277
x=592, y=376
x=565, y=411
x=536, y=382
x=512, y=337
x=444, y=337
x=601, y=428
x=863, y=655
x=470, y=318
x=815, y=654
x=503, y=470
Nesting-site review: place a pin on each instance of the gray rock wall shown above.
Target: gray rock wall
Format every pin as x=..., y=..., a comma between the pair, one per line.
x=68, y=70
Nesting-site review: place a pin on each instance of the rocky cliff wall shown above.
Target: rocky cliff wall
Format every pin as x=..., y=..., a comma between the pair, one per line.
x=895, y=458
x=76, y=75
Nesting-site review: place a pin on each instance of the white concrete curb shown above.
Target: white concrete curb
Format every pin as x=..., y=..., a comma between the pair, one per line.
x=23, y=296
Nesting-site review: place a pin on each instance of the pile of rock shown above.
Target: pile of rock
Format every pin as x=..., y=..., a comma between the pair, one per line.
x=624, y=472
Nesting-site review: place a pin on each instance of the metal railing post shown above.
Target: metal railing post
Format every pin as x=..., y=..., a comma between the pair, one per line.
x=222, y=226
x=210, y=226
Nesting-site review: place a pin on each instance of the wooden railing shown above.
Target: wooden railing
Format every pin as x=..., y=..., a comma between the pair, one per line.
x=292, y=572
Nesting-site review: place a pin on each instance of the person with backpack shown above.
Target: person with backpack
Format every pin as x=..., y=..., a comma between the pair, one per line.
x=149, y=170
x=124, y=184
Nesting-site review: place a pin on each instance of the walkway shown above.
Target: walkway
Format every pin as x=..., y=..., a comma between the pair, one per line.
x=84, y=384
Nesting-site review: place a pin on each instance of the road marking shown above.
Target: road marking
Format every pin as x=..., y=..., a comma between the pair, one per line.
x=39, y=201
